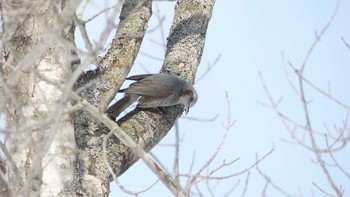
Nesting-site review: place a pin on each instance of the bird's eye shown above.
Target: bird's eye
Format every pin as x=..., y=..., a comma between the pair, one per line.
x=191, y=99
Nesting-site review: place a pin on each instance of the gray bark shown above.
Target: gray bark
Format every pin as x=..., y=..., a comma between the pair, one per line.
x=59, y=153
x=112, y=71
x=37, y=42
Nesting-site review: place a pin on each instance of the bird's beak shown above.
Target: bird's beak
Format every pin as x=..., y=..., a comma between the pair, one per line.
x=187, y=109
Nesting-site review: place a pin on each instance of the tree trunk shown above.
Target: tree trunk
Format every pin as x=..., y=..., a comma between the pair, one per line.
x=38, y=42
x=55, y=148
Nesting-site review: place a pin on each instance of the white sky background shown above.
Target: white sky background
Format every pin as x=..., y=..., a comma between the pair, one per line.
x=250, y=36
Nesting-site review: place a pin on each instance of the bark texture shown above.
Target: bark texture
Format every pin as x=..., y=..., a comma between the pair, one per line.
x=184, y=51
x=93, y=177
x=37, y=45
x=61, y=154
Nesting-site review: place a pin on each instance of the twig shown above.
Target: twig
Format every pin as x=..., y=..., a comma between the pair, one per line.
x=210, y=66
x=327, y=95
x=308, y=127
x=322, y=190
x=123, y=137
x=116, y=7
x=201, y=119
x=245, y=185
x=47, y=39
x=335, y=161
x=306, y=110
x=268, y=180
x=263, y=193
x=12, y=164
x=209, y=176
x=318, y=38
x=177, y=156
x=115, y=178
x=227, y=128
x=287, y=75
x=346, y=43
x=233, y=188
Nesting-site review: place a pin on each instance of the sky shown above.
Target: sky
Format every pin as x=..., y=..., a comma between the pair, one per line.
x=251, y=37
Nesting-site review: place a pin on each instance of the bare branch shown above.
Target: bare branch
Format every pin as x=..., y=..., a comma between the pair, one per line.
x=115, y=179
x=322, y=190
x=12, y=164
x=346, y=43
x=334, y=160
x=268, y=181
x=123, y=137
x=245, y=185
x=317, y=39
x=327, y=95
x=24, y=65
x=176, y=163
x=201, y=119
x=227, y=128
x=314, y=147
x=210, y=66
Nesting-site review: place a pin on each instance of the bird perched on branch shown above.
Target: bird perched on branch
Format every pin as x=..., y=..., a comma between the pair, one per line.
x=155, y=90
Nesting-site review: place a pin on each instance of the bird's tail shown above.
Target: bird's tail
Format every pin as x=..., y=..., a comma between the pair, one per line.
x=119, y=106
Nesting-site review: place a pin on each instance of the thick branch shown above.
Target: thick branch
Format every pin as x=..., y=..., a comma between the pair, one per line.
x=184, y=51
x=145, y=127
x=93, y=177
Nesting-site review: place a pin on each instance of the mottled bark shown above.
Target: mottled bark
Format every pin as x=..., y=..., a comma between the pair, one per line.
x=36, y=65
x=146, y=127
x=184, y=51
x=37, y=78
x=111, y=73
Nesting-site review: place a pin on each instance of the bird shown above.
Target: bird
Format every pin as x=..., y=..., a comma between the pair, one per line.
x=153, y=91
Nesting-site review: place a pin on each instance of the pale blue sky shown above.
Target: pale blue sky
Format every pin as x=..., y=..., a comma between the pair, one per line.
x=250, y=36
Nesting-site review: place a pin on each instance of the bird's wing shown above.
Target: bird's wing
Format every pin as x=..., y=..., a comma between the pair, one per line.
x=135, y=78
x=139, y=77
x=150, y=102
x=150, y=87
